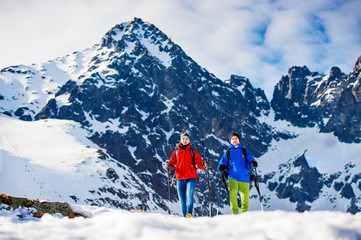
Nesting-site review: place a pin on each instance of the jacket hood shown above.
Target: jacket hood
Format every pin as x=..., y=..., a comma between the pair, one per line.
x=178, y=145
x=231, y=146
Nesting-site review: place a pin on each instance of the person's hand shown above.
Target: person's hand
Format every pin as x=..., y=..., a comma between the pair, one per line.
x=207, y=164
x=222, y=167
x=166, y=166
x=254, y=163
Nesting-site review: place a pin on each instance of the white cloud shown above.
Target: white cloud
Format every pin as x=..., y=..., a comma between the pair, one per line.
x=259, y=39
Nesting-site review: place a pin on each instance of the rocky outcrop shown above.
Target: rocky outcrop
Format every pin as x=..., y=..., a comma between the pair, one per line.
x=297, y=182
x=345, y=122
x=331, y=102
x=40, y=207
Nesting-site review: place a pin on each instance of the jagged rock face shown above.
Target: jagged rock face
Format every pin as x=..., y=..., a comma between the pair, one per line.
x=305, y=98
x=326, y=93
x=292, y=95
x=330, y=102
x=257, y=100
x=297, y=182
x=147, y=87
x=346, y=121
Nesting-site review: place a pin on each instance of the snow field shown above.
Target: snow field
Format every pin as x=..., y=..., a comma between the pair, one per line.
x=105, y=223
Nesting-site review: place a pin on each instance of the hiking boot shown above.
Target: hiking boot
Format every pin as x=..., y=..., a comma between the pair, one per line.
x=189, y=215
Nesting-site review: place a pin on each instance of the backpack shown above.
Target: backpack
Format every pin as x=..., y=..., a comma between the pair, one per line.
x=251, y=176
x=193, y=159
x=192, y=153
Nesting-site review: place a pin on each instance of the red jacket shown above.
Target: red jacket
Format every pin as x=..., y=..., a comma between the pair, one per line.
x=184, y=167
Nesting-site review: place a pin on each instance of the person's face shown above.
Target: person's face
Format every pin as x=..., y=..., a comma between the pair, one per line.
x=185, y=140
x=235, y=141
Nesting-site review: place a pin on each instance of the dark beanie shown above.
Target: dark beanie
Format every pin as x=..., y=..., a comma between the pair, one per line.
x=185, y=134
x=233, y=134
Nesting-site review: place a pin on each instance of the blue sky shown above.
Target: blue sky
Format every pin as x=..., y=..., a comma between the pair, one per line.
x=259, y=39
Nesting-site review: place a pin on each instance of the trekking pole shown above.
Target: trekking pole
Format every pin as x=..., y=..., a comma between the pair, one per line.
x=219, y=194
x=169, y=192
x=257, y=187
x=223, y=180
x=209, y=195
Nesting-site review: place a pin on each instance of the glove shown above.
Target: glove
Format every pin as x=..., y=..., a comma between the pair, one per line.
x=166, y=166
x=207, y=164
x=222, y=167
x=251, y=177
x=254, y=163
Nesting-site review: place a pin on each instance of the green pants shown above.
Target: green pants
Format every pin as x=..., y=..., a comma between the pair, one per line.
x=243, y=188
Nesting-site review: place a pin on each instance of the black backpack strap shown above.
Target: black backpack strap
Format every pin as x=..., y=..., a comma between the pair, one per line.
x=250, y=170
x=228, y=157
x=194, y=162
x=193, y=158
x=244, y=154
x=176, y=160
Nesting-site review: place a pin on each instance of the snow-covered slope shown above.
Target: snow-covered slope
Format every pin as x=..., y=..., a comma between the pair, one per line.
x=107, y=223
x=26, y=89
x=328, y=160
x=54, y=160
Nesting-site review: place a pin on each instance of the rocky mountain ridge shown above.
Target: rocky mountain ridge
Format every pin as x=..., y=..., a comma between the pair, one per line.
x=136, y=90
x=331, y=102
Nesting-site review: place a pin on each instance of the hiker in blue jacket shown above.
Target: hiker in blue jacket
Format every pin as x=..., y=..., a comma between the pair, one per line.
x=238, y=169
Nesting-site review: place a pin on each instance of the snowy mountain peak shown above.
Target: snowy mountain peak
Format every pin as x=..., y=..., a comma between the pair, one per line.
x=137, y=38
x=335, y=71
x=133, y=29
x=238, y=81
x=298, y=72
x=357, y=65
x=256, y=98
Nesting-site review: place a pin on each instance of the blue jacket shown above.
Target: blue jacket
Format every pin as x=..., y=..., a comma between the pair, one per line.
x=237, y=167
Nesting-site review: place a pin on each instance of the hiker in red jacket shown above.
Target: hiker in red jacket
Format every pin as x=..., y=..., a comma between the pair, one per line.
x=185, y=159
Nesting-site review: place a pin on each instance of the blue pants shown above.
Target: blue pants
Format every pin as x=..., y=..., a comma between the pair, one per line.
x=186, y=189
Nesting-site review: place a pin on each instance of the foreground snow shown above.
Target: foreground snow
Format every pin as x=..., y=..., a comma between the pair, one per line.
x=105, y=223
